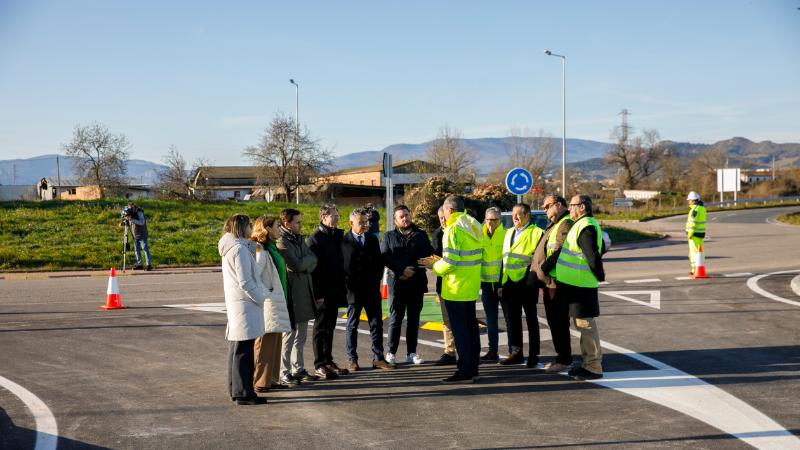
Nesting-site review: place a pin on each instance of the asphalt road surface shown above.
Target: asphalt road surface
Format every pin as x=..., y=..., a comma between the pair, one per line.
x=711, y=363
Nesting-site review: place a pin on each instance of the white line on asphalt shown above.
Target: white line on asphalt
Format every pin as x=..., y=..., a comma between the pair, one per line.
x=46, y=427
x=684, y=393
x=752, y=283
x=732, y=275
x=774, y=221
x=653, y=302
x=646, y=280
x=683, y=278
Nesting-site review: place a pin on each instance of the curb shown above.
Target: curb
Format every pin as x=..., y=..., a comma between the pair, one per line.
x=796, y=285
x=131, y=273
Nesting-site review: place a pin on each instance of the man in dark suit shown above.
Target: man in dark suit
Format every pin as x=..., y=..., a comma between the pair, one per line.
x=330, y=293
x=363, y=270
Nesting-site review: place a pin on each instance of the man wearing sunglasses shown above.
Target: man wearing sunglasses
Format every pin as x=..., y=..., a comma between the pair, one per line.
x=542, y=275
x=579, y=271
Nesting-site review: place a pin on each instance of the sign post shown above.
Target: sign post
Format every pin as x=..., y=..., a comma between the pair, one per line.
x=728, y=180
x=519, y=181
x=387, y=177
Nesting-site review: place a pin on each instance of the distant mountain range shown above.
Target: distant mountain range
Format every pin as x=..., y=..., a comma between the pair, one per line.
x=584, y=155
x=31, y=170
x=740, y=152
x=490, y=152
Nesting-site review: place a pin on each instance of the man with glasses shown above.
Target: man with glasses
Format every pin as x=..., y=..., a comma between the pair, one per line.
x=518, y=247
x=330, y=292
x=579, y=271
x=543, y=271
x=491, y=268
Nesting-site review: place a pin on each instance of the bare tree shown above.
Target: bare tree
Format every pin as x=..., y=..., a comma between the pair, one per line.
x=532, y=153
x=673, y=170
x=448, y=150
x=175, y=181
x=100, y=156
x=287, y=158
x=637, y=157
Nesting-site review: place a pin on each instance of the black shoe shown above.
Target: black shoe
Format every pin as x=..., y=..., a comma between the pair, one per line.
x=532, y=362
x=582, y=375
x=279, y=386
x=149, y=268
x=490, y=356
x=251, y=401
x=446, y=360
x=458, y=378
x=574, y=370
x=138, y=267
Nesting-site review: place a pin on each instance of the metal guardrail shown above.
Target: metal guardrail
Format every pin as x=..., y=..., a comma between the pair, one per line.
x=747, y=201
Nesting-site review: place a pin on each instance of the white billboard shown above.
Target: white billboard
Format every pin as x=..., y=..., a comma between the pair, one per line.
x=728, y=180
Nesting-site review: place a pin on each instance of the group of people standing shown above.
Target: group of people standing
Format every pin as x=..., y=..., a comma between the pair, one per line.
x=276, y=282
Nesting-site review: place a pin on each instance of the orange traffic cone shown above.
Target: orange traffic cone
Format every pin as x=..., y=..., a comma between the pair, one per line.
x=113, y=299
x=700, y=264
x=385, y=284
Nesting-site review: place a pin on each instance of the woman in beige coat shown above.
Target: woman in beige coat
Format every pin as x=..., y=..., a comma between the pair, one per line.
x=244, y=306
x=276, y=313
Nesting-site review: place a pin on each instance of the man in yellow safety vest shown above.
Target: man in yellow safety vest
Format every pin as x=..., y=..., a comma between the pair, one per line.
x=516, y=293
x=695, y=226
x=491, y=269
x=579, y=271
x=460, y=269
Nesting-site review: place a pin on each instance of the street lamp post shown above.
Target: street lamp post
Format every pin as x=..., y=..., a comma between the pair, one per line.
x=296, y=134
x=563, y=121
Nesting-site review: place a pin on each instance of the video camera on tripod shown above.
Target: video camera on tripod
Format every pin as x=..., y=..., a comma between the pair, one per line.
x=125, y=215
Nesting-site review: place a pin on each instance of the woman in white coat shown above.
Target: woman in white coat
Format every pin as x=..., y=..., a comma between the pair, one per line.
x=276, y=312
x=244, y=304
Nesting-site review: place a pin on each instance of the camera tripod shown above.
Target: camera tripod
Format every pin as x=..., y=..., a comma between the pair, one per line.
x=126, y=246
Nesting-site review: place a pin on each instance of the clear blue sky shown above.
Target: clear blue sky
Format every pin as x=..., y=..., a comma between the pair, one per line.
x=208, y=76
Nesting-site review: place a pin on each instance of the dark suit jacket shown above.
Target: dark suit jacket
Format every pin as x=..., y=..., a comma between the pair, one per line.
x=328, y=277
x=400, y=252
x=363, y=268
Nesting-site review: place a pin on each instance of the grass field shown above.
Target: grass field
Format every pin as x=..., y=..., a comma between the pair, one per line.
x=620, y=235
x=85, y=234
x=792, y=219
x=60, y=235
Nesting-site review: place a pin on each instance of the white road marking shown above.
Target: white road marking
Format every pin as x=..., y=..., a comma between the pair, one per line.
x=678, y=390
x=752, y=283
x=603, y=283
x=645, y=280
x=733, y=275
x=774, y=221
x=683, y=278
x=654, y=302
x=46, y=427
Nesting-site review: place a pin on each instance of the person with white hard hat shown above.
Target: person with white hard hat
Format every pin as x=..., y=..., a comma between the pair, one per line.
x=695, y=226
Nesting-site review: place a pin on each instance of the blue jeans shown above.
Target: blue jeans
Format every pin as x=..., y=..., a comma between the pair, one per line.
x=490, y=301
x=374, y=316
x=464, y=324
x=138, y=246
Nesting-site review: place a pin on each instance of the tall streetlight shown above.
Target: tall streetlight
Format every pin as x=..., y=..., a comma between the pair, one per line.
x=296, y=132
x=563, y=121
